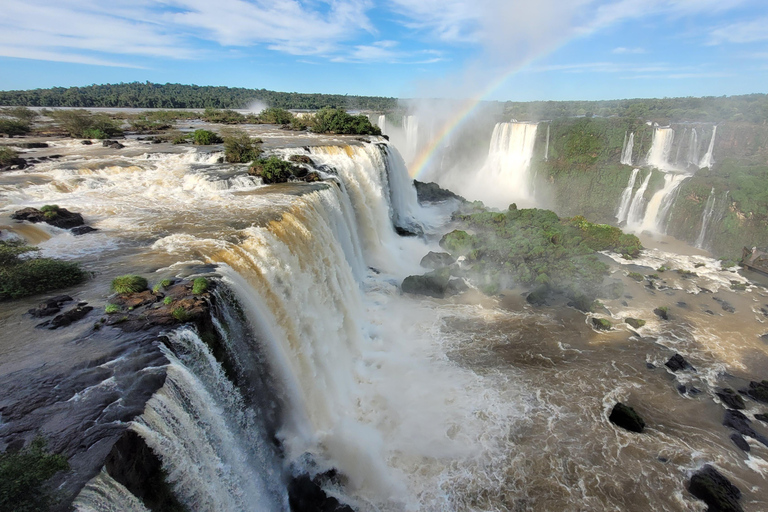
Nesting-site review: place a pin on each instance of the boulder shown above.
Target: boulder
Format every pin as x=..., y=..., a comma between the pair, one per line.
x=741, y=424
x=404, y=232
x=86, y=142
x=730, y=398
x=82, y=230
x=68, y=317
x=739, y=441
x=762, y=417
x=434, y=260
x=112, y=144
x=305, y=493
x=538, y=296
x=301, y=159
x=432, y=284
x=662, y=313
x=32, y=145
x=50, y=306
x=59, y=217
x=601, y=324
x=312, y=176
x=635, y=323
x=715, y=490
x=758, y=391
x=456, y=286
x=724, y=305
x=626, y=418
x=677, y=363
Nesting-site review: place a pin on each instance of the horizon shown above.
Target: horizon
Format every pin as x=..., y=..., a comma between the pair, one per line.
x=557, y=50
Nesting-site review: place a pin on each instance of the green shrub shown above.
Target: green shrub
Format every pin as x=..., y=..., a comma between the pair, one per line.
x=457, y=242
x=181, y=314
x=272, y=169
x=275, y=116
x=212, y=115
x=636, y=276
x=336, y=120
x=23, y=277
x=23, y=476
x=168, y=301
x=199, y=285
x=24, y=114
x=7, y=155
x=239, y=148
x=299, y=124
x=129, y=284
x=12, y=127
x=635, y=322
x=93, y=133
x=205, y=138
x=144, y=125
x=50, y=211
x=83, y=124
x=111, y=308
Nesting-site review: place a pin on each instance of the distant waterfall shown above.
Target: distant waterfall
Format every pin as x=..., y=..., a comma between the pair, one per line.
x=411, y=132
x=626, y=197
x=660, y=204
x=546, y=148
x=705, y=218
x=693, y=148
x=634, y=216
x=661, y=147
x=707, y=161
x=626, y=153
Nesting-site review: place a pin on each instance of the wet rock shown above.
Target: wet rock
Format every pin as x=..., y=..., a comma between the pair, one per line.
x=312, y=177
x=709, y=312
x=739, y=441
x=404, y=232
x=724, y=305
x=432, y=284
x=682, y=304
x=650, y=366
x=715, y=490
x=626, y=418
x=677, y=363
x=741, y=424
x=538, y=296
x=301, y=159
x=82, y=230
x=68, y=317
x=86, y=142
x=730, y=398
x=16, y=163
x=135, y=300
x=681, y=389
x=112, y=144
x=635, y=323
x=305, y=493
x=762, y=417
x=50, y=306
x=764, y=337
x=32, y=145
x=435, y=260
x=758, y=391
x=433, y=193
x=59, y=217
x=662, y=313
x=601, y=324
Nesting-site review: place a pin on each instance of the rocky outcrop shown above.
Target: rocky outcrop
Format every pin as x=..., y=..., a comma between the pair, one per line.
x=635, y=323
x=715, y=490
x=435, y=260
x=433, y=193
x=113, y=144
x=625, y=417
x=758, y=391
x=730, y=398
x=50, y=306
x=678, y=363
x=55, y=216
x=68, y=317
x=432, y=284
x=306, y=493
x=740, y=423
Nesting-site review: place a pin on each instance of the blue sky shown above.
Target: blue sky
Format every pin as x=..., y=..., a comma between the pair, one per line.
x=546, y=49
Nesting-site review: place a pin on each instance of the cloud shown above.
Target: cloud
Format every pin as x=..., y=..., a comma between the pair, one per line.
x=741, y=32
x=622, y=50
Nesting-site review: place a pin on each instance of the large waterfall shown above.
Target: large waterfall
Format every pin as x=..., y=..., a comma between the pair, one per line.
x=661, y=148
x=660, y=204
x=626, y=197
x=706, y=216
x=707, y=160
x=634, y=215
x=626, y=152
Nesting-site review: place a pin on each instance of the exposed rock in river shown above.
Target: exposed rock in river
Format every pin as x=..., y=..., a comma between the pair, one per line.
x=678, y=363
x=730, y=398
x=55, y=216
x=626, y=418
x=715, y=490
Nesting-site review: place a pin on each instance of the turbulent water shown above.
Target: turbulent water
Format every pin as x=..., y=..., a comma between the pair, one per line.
x=469, y=403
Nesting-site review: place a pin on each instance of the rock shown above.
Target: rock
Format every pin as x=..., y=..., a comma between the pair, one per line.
x=16, y=163
x=709, y=312
x=762, y=417
x=82, y=230
x=764, y=337
x=61, y=218
x=681, y=389
x=404, y=232
x=32, y=145
x=662, y=313
x=301, y=159
x=626, y=418
x=601, y=324
x=741, y=424
x=112, y=144
x=456, y=286
x=715, y=490
x=135, y=300
x=435, y=260
x=635, y=323
x=432, y=284
x=86, y=142
x=50, y=306
x=730, y=398
x=312, y=176
x=433, y=193
x=758, y=391
x=678, y=363
x=650, y=366
x=306, y=494
x=739, y=441
x=724, y=305
x=68, y=317
x=538, y=296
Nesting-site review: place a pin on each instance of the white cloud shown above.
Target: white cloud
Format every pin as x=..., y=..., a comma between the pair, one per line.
x=741, y=32
x=622, y=50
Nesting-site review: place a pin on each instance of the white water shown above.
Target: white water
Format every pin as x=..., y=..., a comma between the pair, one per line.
x=660, y=203
x=661, y=147
x=626, y=152
x=104, y=494
x=505, y=176
x=707, y=161
x=634, y=215
x=626, y=197
x=705, y=218
x=693, y=148
x=546, y=148
x=411, y=132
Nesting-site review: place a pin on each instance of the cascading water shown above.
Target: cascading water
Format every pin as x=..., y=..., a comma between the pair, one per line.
x=693, y=148
x=626, y=197
x=411, y=133
x=706, y=216
x=626, y=153
x=634, y=215
x=104, y=494
x=660, y=203
x=382, y=123
x=706, y=160
x=546, y=148
x=661, y=147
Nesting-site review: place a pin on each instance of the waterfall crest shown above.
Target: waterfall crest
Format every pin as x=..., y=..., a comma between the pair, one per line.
x=661, y=147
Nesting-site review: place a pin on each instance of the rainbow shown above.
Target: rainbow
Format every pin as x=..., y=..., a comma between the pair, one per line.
x=421, y=162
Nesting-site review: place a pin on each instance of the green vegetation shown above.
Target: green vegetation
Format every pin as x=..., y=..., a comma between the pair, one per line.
x=50, y=211
x=13, y=127
x=7, y=155
x=129, y=284
x=534, y=247
x=272, y=169
x=636, y=276
x=20, y=277
x=85, y=125
x=167, y=96
x=601, y=324
x=23, y=114
x=212, y=115
x=205, y=138
x=111, y=308
x=165, y=283
x=168, y=301
x=23, y=476
x=181, y=314
x=240, y=148
x=335, y=120
x=275, y=116
x=635, y=323
x=199, y=285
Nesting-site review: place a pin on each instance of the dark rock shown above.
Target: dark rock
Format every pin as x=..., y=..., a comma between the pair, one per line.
x=601, y=324
x=762, y=417
x=650, y=366
x=724, y=305
x=301, y=159
x=32, y=145
x=715, y=490
x=625, y=303
x=662, y=313
x=306, y=494
x=694, y=391
x=50, y=306
x=741, y=424
x=403, y=231
x=433, y=193
x=709, y=312
x=758, y=391
x=435, y=260
x=678, y=363
x=68, y=317
x=682, y=304
x=730, y=398
x=312, y=176
x=626, y=418
x=635, y=323
x=764, y=337
x=739, y=441
x=681, y=389
x=538, y=296
x=112, y=144
x=82, y=230
x=432, y=284
x=86, y=142
x=135, y=300
x=63, y=218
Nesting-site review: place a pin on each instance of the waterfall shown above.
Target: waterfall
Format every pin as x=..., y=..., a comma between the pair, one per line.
x=660, y=204
x=705, y=218
x=693, y=148
x=638, y=201
x=626, y=197
x=707, y=161
x=546, y=148
x=626, y=153
x=661, y=147
x=411, y=133
x=382, y=122
x=103, y=494
x=213, y=449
